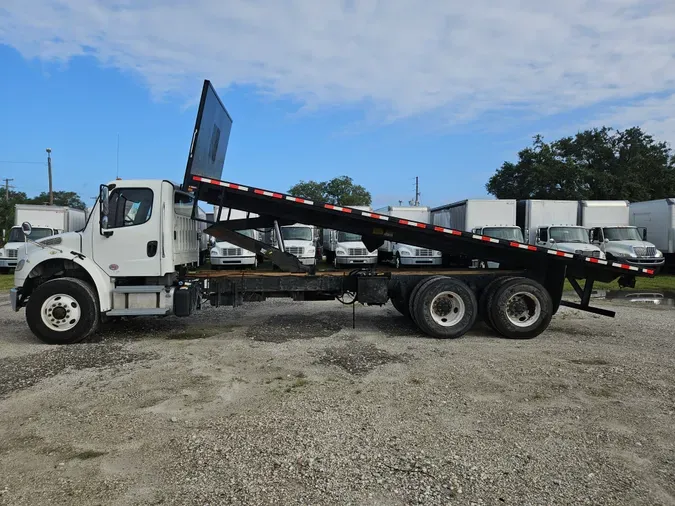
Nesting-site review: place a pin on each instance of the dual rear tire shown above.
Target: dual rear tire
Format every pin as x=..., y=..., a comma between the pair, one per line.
x=446, y=308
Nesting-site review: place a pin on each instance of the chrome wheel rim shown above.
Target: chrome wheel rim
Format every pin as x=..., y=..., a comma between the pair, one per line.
x=523, y=309
x=447, y=309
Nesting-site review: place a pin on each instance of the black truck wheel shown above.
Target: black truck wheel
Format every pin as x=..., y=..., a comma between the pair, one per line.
x=521, y=309
x=445, y=308
x=63, y=311
x=484, y=302
x=415, y=291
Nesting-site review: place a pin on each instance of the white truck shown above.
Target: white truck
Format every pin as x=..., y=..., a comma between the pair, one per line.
x=484, y=217
x=345, y=248
x=45, y=221
x=300, y=241
x=657, y=218
x=553, y=224
x=608, y=222
x=405, y=254
x=225, y=254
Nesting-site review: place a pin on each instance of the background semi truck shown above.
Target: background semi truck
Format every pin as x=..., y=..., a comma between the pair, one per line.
x=487, y=217
x=226, y=254
x=345, y=248
x=406, y=254
x=553, y=224
x=610, y=230
x=134, y=255
x=657, y=217
x=45, y=221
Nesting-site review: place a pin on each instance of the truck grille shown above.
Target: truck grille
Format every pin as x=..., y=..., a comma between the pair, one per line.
x=594, y=254
x=357, y=252
x=231, y=252
x=12, y=253
x=645, y=252
x=424, y=252
x=295, y=250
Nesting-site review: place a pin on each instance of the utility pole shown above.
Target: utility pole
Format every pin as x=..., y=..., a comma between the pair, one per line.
x=417, y=191
x=49, y=170
x=7, y=180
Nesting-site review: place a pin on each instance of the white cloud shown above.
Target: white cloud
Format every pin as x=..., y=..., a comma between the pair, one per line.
x=398, y=58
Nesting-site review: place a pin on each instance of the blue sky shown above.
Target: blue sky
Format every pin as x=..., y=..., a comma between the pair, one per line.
x=378, y=94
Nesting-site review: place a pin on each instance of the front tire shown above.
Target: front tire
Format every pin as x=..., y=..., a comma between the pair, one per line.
x=63, y=311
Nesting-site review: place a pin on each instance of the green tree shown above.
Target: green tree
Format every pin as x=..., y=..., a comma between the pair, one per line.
x=7, y=203
x=338, y=191
x=61, y=198
x=599, y=163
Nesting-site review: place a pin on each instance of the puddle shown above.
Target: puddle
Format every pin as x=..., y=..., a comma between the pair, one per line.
x=636, y=296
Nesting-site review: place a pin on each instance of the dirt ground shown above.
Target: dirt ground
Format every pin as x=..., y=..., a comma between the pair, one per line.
x=285, y=403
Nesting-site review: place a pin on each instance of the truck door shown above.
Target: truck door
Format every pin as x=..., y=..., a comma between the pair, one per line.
x=130, y=244
x=542, y=236
x=598, y=237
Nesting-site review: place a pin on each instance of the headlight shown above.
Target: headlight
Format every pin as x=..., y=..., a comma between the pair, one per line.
x=658, y=254
x=20, y=265
x=340, y=252
x=437, y=253
x=404, y=253
x=311, y=250
x=214, y=252
x=2, y=252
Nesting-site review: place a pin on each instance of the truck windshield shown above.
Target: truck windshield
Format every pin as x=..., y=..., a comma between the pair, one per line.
x=296, y=233
x=621, y=234
x=16, y=235
x=247, y=233
x=569, y=234
x=347, y=237
x=507, y=233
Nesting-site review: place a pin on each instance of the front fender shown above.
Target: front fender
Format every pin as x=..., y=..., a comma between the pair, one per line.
x=100, y=280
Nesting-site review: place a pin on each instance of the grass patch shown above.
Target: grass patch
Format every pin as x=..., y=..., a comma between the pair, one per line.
x=662, y=282
x=6, y=282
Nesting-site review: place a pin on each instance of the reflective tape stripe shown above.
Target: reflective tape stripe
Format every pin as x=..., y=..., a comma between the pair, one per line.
x=337, y=208
x=522, y=246
x=299, y=200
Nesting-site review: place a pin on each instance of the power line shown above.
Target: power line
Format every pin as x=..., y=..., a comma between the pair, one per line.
x=30, y=163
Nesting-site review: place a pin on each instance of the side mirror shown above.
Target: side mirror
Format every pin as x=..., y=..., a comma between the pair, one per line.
x=26, y=228
x=551, y=240
x=103, y=198
x=606, y=240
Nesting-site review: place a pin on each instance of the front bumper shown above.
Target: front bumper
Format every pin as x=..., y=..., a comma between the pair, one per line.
x=421, y=260
x=653, y=263
x=356, y=260
x=232, y=260
x=307, y=260
x=8, y=263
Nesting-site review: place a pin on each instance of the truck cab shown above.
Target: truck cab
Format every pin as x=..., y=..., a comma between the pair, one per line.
x=345, y=248
x=125, y=262
x=9, y=253
x=299, y=240
x=625, y=243
x=567, y=238
x=508, y=233
x=225, y=254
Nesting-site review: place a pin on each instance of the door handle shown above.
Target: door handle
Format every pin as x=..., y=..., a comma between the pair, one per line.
x=152, y=248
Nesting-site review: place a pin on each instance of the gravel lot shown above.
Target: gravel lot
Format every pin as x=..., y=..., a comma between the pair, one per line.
x=285, y=403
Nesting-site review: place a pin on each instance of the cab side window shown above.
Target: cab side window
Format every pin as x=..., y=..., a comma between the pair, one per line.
x=543, y=234
x=130, y=207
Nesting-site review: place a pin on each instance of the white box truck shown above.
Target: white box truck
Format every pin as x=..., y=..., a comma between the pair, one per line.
x=486, y=217
x=609, y=225
x=224, y=254
x=45, y=221
x=553, y=224
x=405, y=254
x=345, y=248
x=300, y=241
x=657, y=218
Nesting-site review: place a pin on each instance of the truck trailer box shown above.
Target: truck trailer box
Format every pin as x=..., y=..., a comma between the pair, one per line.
x=531, y=214
x=657, y=217
x=62, y=218
x=604, y=213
